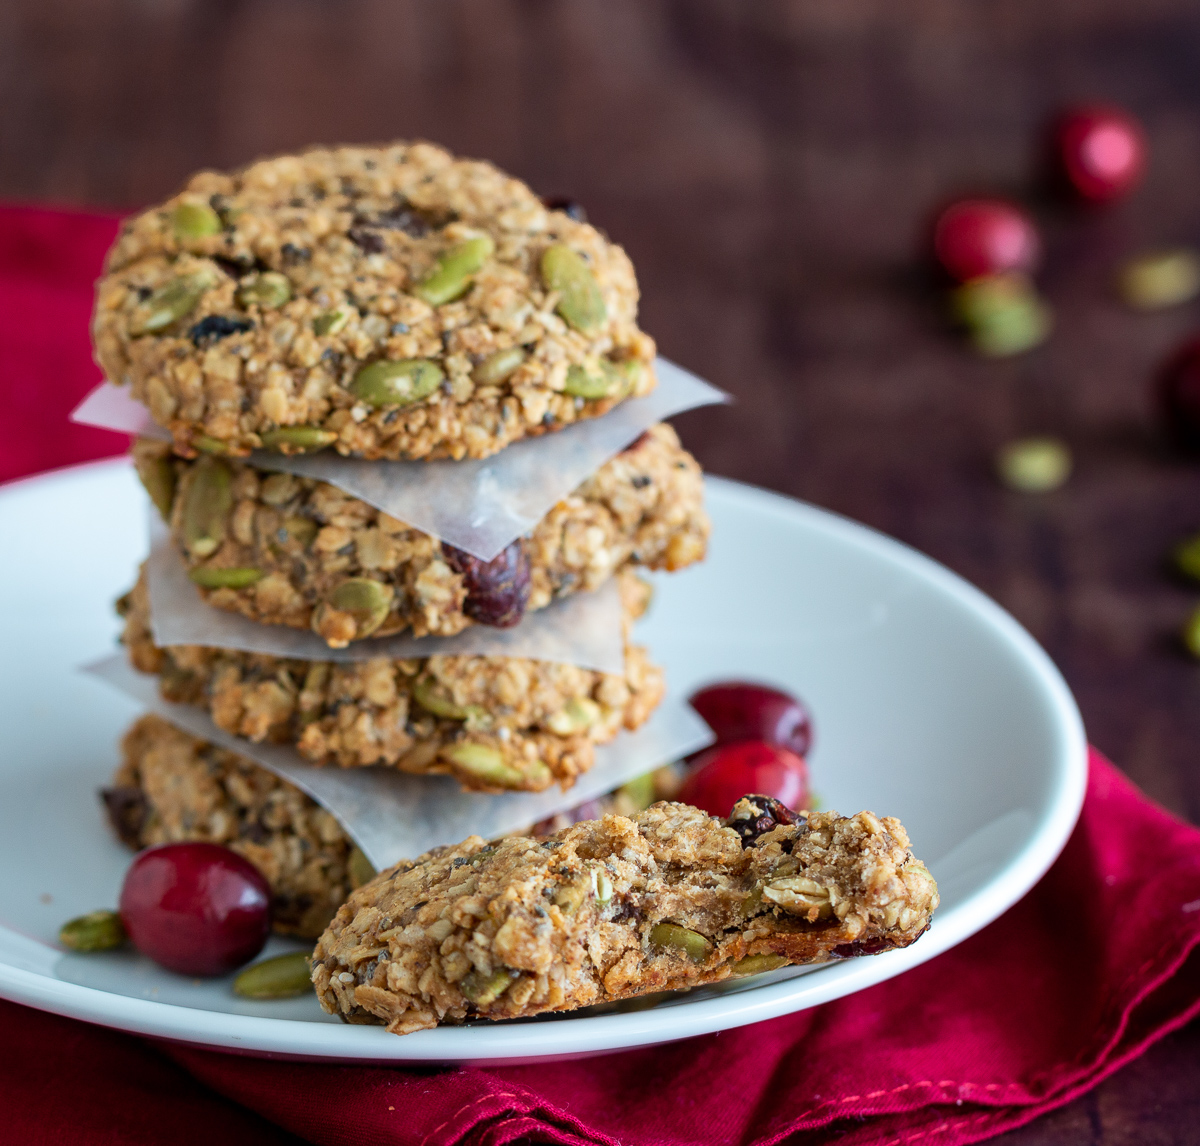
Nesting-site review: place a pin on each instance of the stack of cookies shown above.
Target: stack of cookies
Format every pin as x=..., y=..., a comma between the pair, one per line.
x=387, y=304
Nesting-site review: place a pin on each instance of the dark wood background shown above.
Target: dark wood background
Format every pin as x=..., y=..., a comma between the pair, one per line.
x=770, y=165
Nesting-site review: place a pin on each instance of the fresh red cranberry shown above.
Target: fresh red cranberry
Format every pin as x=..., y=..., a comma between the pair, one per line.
x=198, y=909
x=1102, y=151
x=738, y=711
x=976, y=237
x=1179, y=395
x=723, y=774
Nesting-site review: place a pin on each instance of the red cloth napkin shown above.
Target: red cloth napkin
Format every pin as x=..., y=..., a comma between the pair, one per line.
x=1094, y=965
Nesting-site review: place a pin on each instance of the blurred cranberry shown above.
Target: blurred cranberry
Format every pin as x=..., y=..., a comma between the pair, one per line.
x=199, y=909
x=975, y=237
x=1102, y=151
x=566, y=206
x=1179, y=395
x=736, y=711
x=497, y=590
x=722, y=775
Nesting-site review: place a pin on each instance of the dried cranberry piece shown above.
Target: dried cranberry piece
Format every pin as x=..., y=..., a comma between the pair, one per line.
x=368, y=241
x=497, y=590
x=215, y=327
x=861, y=947
x=772, y=813
x=568, y=207
x=637, y=442
x=127, y=810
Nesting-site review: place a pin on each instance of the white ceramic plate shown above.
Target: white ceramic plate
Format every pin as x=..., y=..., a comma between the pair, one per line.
x=930, y=703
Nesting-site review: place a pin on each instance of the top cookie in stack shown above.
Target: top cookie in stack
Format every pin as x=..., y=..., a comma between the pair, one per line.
x=390, y=303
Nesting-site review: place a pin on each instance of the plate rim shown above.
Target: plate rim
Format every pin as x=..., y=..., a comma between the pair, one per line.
x=582, y=1036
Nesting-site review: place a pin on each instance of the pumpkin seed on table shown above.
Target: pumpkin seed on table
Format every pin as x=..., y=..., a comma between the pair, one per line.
x=396, y=382
x=1160, y=279
x=1034, y=465
x=455, y=272
x=580, y=302
x=1191, y=634
x=1003, y=314
x=96, y=931
x=1186, y=557
x=281, y=977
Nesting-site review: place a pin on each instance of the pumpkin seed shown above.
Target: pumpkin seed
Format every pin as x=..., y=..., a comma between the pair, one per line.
x=332, y=321
x=268, y=291
x=366, y=600
x=283, y=977
x=498, y=366
x=171, y=302
x=577, y=715
x=482, y=989
x=690, y=943
x=580, y=302
x=455, y=271
x=1161, y=279
x=483, y=763
x=96, y=931
x=602, y=381
x=396, y=383
x=301, y=530
x=237, y=577
x=757, y=964
x=359, y=868
x=158, y=479
x=190, y=220
x=206, y=505
x=429, y=695
x=298, y=438
x=1034, y=465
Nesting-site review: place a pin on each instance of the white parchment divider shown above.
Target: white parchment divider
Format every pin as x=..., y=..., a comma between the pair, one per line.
x=394, y=816
x=480, y=506
x=581, y=629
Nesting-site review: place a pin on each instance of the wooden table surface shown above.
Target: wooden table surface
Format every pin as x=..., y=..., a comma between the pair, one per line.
x=770, y=166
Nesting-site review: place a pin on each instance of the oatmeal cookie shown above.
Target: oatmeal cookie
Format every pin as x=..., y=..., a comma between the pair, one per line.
x=388, y=302
x=288, y=550
x=172, y=787
x=617, y=907
x=494, y=723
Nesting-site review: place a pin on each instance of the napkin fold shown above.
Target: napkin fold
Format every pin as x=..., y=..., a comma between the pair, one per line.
x=1097, y=962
